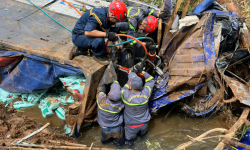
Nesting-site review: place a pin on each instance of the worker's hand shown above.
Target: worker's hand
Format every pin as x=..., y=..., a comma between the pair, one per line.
x=138, y=68
x=110, y=35
x=165, y=14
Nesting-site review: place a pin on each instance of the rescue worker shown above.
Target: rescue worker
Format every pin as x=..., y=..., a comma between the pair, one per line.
x=135, y=97
x=110, y=114
x=138, y=18
x=95, y=25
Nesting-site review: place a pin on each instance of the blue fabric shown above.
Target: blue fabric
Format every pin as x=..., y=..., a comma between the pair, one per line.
x=32, y=73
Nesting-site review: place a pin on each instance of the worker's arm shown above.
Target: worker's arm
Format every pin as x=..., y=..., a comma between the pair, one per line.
x=95, y=33
x=149, y=11
x=149, y=82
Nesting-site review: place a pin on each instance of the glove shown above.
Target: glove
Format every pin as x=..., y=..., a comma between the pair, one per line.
x=152, y=49
x=110, y=35
x=148, y=44
x=165, y=14
x=138, y=68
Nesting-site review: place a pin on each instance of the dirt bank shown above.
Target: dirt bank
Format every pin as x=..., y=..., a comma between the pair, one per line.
x=14, y=126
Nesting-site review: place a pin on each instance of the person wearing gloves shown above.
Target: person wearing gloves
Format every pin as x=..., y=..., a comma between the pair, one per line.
x=110, y=114
x=135, y=97
x=95, y=25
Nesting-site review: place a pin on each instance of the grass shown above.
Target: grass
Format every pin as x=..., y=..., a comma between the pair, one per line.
x=245, y=9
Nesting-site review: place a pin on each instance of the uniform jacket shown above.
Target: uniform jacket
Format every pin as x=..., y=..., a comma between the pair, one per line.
x=136, y=104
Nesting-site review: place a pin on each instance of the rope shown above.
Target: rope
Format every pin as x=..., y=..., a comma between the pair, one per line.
x=50, y=16
x=73, y=7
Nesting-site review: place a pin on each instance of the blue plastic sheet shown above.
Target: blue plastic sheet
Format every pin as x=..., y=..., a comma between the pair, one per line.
x=32, y=73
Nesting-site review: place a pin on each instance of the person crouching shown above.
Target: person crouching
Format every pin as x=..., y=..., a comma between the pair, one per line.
x=110, y=115
x=135, y=97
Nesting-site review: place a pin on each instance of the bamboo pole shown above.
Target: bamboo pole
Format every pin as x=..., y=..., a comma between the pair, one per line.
x=185, y=9
x=170, y=22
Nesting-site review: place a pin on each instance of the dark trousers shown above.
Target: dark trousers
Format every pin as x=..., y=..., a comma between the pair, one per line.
x=97, y=45
x=115, y=134
x=131, y=133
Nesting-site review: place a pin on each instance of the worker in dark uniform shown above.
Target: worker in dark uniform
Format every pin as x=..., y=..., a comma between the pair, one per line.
x=110, y=114
x=135, y=97
x=95, y=25
x=138, y=18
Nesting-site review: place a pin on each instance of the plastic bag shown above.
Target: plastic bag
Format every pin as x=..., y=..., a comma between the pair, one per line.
x=75, y=84
x=46, y=112
x=5, y=96
x=35, y=97
x=67, y=129
x=22, y=104
x=60, y=113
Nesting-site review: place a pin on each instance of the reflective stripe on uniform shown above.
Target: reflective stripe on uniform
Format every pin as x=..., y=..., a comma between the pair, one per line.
x=131, y=27
x=113, y=112
x=129, y=11
x=151, y=12
x=123, y=32
x=126, y=85
x=149, y=90
x=98, y=20
x=132, y=43
x=148, y=79
x=116, y=81
x=134, y=104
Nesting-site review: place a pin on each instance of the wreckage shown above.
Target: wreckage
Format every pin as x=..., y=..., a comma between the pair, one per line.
x=198, y=51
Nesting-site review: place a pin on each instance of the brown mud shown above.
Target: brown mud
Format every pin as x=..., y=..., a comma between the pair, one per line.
x=14, y=126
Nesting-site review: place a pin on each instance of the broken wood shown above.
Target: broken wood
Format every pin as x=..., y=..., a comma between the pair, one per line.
x=185, y=9
x=33, y=133
x=234, y=128
x=170, y=22
x=67, y=143
x=183, y=146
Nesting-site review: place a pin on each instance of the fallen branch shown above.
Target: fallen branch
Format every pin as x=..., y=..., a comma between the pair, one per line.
x=234, y=128
x=184, y=145
x=67, y=143
x=33, y=133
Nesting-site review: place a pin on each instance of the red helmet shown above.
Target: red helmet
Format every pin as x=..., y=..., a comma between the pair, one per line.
x=119, y=9
x=152, y=24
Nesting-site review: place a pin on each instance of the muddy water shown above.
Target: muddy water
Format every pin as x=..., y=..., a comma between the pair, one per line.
x=170, y=133
x=56, y=124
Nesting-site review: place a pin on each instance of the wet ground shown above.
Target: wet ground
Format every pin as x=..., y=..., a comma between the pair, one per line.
x=170, y=133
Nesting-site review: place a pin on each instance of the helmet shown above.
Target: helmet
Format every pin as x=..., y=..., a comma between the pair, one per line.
x=152, y=24
x=119, y=9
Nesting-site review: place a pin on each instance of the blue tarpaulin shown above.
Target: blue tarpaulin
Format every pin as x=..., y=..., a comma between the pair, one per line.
x=32, y=73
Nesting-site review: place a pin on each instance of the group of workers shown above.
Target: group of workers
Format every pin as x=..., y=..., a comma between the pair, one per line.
x=123, y=112
x=125, y=109
x=97, y=24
